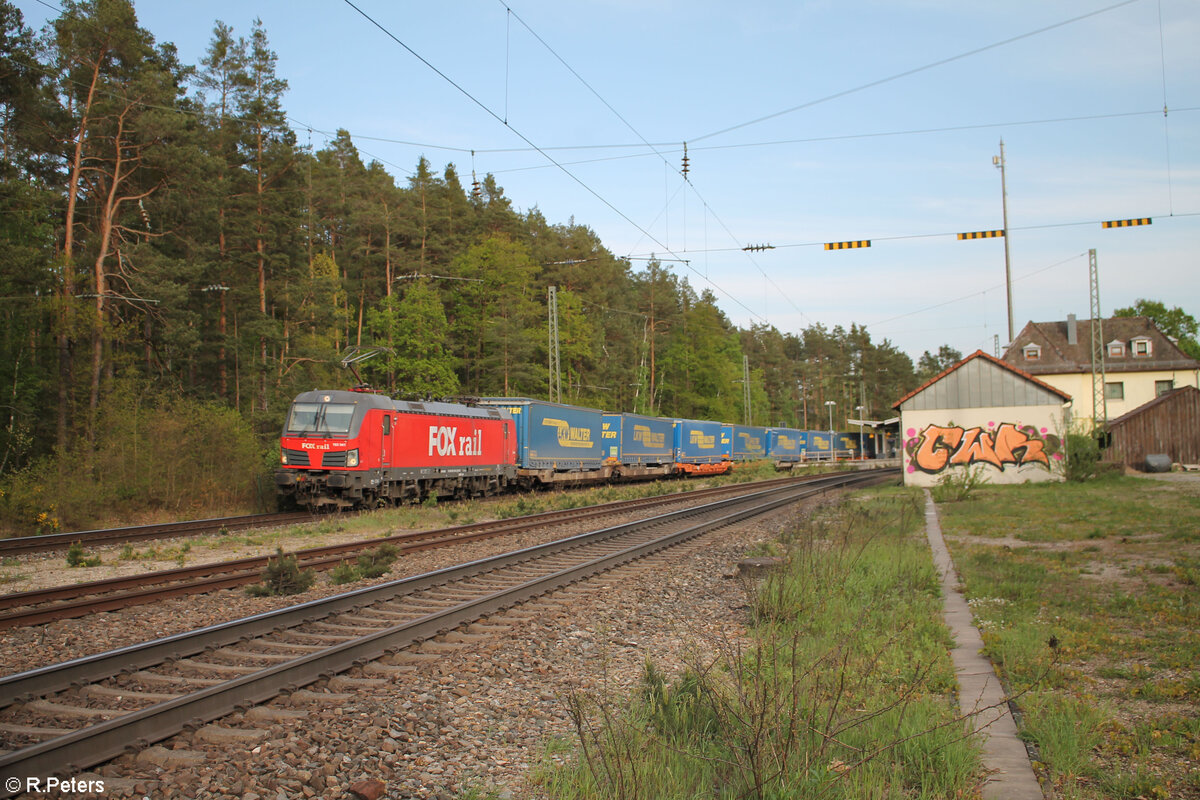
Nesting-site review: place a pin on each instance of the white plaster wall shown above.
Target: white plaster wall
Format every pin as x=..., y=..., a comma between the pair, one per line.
x=1046, y=422
x=1139, y=388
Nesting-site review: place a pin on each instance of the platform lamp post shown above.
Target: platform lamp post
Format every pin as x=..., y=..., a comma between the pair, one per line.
x=859, y=409
x=832, y=448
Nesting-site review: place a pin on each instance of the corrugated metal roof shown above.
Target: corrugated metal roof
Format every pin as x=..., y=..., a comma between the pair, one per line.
x=981, y=381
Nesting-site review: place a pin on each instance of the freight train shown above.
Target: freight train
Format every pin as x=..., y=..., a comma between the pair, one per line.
x=346, y=449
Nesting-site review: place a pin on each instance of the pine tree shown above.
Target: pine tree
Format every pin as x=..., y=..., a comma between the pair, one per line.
x=414, y=329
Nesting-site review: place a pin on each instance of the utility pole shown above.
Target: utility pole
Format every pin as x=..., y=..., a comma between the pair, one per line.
x=998, y=161
x=554, y=367
x=1099, y=398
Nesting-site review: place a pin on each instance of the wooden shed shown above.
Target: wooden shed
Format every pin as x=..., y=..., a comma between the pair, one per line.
x=1169, y=424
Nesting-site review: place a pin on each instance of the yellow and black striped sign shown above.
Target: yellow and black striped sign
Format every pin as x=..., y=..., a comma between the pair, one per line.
x=981, y=234
x=1125, y=223
x=847, y=245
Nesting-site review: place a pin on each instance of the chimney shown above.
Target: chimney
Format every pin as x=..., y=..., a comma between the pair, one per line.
x=1072, y=330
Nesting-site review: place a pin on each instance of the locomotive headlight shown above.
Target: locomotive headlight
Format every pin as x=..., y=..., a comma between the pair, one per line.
x=283, y=456
x=352, y=458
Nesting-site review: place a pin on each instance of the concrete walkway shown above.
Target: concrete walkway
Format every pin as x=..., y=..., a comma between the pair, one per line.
x=1010, y=775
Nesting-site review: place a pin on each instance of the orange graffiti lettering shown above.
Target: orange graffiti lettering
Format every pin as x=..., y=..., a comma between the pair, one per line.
x=936, y=446
x=940, y=447
x=976, y=446
x=1015, y=447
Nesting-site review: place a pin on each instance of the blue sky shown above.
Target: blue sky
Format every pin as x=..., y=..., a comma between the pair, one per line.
x=805, y=122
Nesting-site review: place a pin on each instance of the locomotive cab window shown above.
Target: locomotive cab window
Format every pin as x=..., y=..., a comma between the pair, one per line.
x=320, y=418
x=387, y=424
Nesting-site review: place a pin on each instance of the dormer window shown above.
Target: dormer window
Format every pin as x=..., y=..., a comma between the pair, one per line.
x=1032, y=352
x=1116, y=349
x=1141, y=347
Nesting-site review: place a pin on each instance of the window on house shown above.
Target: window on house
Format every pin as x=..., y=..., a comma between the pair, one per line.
x=1116, y=349
x=1141, y=347
x=1162, y=387
x=1114, y=391
x=1032, y=352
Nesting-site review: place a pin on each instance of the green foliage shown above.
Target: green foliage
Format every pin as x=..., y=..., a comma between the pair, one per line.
x=248, y=263
x=1102, y=640
x=956, y=485
x=1083, y=457
x=76, y=557
x=282, y=576
x=414, y=329
x=343, y=573
x=497, y=318
x=376, y=563
x=931, y=365
x=173, y=454
x=846, y=691
x=371, y=564
x=1172, y=321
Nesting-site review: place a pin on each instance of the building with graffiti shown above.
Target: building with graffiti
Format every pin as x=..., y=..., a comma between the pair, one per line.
x=986, y=416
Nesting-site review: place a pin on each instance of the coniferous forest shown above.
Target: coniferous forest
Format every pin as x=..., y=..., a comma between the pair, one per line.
x=176, y=266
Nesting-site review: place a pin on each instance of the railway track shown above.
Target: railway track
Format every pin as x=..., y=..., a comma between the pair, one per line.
x=40, y=606
x=71, y=716
x=49, y=542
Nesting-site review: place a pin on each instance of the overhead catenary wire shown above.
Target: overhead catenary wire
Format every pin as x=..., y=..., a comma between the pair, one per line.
x=717, y=146
x=1162, y=54
x=937, y=235
x=975, y=293
x=907, y=73
x=682, y=170
x=544, y=153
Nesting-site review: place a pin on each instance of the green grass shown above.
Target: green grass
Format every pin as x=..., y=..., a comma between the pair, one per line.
x=1106, y=571
x=845, y=691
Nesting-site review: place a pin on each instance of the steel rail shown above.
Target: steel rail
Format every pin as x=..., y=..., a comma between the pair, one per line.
x=19, y=545
x=102, y=741
x=97, y=596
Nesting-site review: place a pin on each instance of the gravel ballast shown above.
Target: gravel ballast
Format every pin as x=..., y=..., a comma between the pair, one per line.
x=472, y=712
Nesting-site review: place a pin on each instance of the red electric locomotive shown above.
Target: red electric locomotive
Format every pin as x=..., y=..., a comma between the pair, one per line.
x=342, y=449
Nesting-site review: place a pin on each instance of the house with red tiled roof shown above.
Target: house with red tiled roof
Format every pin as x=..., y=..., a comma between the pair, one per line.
x=983, y=416
x=1140, y=362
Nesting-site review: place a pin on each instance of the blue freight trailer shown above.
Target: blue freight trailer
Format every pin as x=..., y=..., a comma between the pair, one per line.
x=784, y=444
x=847, y=444
x=697, y=442
x=744, y=442
x=638, y=440
x=818, y=447
x=552, y=436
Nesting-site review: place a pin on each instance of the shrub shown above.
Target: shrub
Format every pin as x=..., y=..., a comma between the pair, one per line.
x=1083, y=457
x=958, y=484
x=76, y=557
x=175, y=454
x=371, y=564
x=343, y=573
x=375, y=563
x=282, y=576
